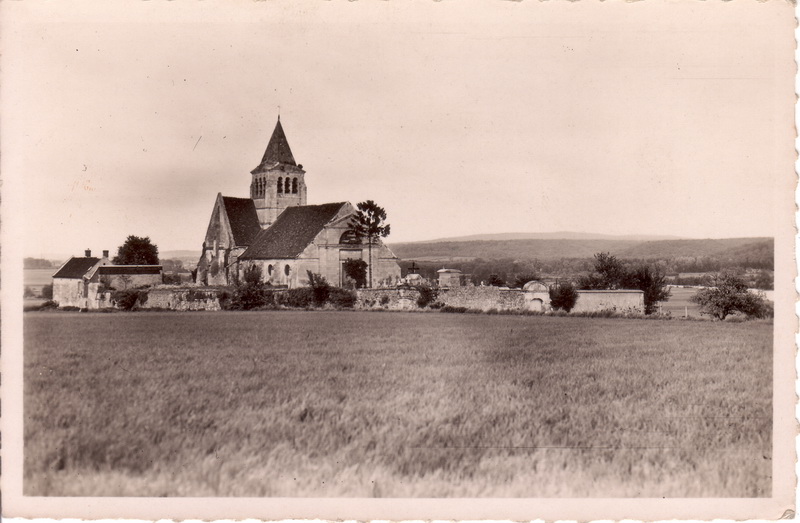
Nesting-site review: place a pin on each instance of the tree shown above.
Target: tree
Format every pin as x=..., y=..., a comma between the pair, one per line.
x=369, y=224
x=357, y=271
x=136, y=251
x=730, y=295
x=563, y=295
x=652, y=282
x=609, y=273
x=524, y=278
x=496, y=281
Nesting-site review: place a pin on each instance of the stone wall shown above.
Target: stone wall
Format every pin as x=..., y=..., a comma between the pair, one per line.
x=392, y=299
x=484, y=298
x=619, y=301
x=182, y=299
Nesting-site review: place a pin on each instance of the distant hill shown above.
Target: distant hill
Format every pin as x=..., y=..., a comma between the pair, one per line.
x=183, y=255
x=526, y=249
x=562, y=235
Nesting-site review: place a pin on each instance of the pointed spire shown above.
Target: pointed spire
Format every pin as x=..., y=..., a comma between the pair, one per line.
x=278, y=149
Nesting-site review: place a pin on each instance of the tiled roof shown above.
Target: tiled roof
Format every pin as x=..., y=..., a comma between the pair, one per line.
x=128, y=269
x=76, y=267
x=278, y=150
x=291, y=233
x=243, y=218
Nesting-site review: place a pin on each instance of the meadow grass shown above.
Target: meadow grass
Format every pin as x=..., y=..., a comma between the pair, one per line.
x=392, y=404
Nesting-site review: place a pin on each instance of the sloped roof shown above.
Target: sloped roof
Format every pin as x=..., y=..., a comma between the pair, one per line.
x=278, y=150
x=243, y=218
x=128, y=269
x=76, y=268
x=291, y=233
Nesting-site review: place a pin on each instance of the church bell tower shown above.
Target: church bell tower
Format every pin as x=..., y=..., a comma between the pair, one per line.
x=278, y=181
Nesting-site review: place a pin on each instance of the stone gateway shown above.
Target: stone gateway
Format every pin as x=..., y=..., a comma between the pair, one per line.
x=277, y=231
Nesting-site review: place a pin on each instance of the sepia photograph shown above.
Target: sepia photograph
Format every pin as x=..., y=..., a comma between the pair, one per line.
x=479, y=259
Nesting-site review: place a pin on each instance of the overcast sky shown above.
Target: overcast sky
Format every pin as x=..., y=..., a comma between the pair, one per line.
x=457, y=117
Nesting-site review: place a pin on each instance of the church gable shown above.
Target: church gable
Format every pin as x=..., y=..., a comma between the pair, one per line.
x=234, y=223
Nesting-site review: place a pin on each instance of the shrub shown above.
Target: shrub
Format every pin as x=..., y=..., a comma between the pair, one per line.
x=427, y=295
x=247, y=297
x=126, y=299
x=171, y=279
x=563, y=296
x=384, y=300
x=47, y=292
x=301, y=298
x=342, y=298
x=29, y=293
x=319, y=287
x=252, y=275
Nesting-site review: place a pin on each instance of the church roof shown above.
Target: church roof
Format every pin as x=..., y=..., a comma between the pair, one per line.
x=278, y=151
x=243, y=218
x=75, y=268
x=292, y=232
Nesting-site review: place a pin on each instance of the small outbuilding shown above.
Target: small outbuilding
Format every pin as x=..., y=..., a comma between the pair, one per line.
x=449, y=277
x=86, y=282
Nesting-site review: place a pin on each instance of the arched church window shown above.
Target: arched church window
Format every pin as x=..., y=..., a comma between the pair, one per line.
x=294, y=186
x=349, y=237
x=270, y=268
x=253, y=189
x=287, y=270
x=280, y=185
x=288, y=185
x=263, y=187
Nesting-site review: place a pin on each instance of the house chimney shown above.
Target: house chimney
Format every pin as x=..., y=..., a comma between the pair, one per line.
x=105, y=254
x=88, y=253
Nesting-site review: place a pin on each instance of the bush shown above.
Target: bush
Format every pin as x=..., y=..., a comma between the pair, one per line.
x=252, y=275
x=171, y=279
x=28, y=293
x=47, y=292
x=563, y=296
x=384, y=300
x=247, y=297
x=342, y=298
x=427, y=295
x=319, y=287
x=300, y=298
x=127, y=299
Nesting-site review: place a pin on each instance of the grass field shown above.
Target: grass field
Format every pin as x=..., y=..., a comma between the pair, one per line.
x=394, y=404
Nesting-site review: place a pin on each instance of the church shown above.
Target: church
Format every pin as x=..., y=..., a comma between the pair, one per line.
x=276, y=230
